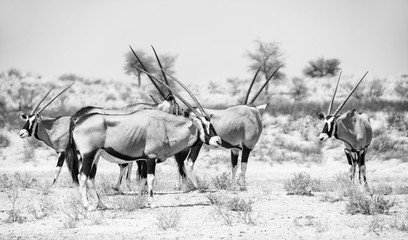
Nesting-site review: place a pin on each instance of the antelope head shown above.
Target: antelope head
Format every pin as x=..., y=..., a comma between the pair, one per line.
x=330, y=119
x=33, y=119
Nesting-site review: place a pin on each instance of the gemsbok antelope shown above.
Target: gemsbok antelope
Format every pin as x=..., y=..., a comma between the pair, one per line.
x=146, y=135
x=53, y=131
x=353, y=129
x=238, y=126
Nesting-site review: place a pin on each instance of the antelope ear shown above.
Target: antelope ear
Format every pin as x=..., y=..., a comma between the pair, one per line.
x=320, y=115
x=23, y=117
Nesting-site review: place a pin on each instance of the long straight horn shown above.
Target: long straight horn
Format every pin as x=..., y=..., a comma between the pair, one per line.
x=259, y=92
x=161, y=67
x=189, y=92
x=334, y=95
x=38, y=104
x=42, y=109
x=175, y=93
x=252, y=84
x=344, y=102
x=145, y=70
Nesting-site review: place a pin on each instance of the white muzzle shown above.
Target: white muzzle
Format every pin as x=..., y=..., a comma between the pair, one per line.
x=323, y=137
x=215, y=141
x=23, y=133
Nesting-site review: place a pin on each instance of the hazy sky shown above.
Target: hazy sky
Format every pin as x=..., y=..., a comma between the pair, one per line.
x=90, y=38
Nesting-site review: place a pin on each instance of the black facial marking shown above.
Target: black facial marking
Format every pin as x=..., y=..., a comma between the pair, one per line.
x=29, y=125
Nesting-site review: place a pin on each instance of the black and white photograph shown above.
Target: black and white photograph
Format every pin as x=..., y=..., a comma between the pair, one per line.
x=192, y=119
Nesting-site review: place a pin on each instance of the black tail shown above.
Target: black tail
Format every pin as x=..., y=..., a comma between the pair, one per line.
x=180, y=157
x=71, y=154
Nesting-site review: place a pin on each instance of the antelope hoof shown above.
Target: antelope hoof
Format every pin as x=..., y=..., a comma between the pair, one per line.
x=150, y=203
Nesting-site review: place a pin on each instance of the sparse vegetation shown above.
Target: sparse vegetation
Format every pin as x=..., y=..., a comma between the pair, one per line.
x=43, y=209
x=361, y=202
x=202, y=184
x=401, y=88
x=301, y=184
x=4, y=141
x=224, y=182
x=14, y=214
x=129, y=203
x=231, y=210
x=168, y=219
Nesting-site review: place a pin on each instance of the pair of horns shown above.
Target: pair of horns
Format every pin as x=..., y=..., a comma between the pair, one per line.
x=176, y=94
x=347, y=98
x=150, y=76
x=259, y=92
x=38, y=104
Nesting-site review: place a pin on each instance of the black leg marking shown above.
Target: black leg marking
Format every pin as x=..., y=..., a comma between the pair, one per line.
x=151, y=169
x=195, y=151
x=93, y=172
x=234, y=159
x=87, y=163
x=349, y=160
x=245, y=154
x=61, y=159
x=141, y=170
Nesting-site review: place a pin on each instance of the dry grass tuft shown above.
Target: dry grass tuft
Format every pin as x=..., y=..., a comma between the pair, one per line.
x=168, y=219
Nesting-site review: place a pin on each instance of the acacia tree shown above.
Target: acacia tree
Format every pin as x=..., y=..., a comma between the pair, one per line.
x=131, y=63
x=322, y=67
x=269, y=55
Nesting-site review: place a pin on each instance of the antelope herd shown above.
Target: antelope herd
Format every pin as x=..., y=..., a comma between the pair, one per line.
x=149, y=133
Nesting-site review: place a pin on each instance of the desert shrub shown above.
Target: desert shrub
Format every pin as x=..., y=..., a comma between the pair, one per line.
x=70, y=77
x=215, y=198
x=5, y=182
x=397, y=121
x=301, y=184
x=233, y=86
x=231, y=210
x=224, y=182
x=375, y=225
x=17, y=181
x=401, y=189
x=13, y=72
x=383, y=143
x=202, y=184
x=110, y=97
x=381, y=189
x=44, y=208
x=401, y=88
x=322, y=67
x=400, y=222
x=4, y=140
x=299, y=89
x=73, y=211
x=358, y=94
x=239, y=204
x=168, y=219
x=375, y=89
x=14, y=214
x=384, y=147
x=362, y=202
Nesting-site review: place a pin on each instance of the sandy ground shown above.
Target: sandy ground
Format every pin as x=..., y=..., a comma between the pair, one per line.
x=276, y=215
